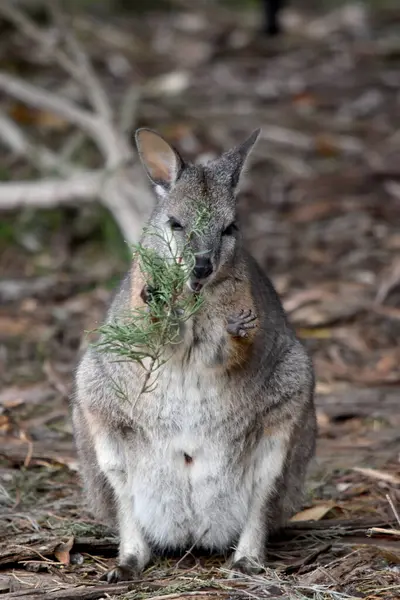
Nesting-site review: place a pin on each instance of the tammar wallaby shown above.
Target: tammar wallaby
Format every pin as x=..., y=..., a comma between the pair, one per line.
x=215, y=455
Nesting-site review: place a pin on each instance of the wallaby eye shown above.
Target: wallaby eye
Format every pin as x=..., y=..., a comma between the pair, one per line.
x=230, y=230
x=175, y=225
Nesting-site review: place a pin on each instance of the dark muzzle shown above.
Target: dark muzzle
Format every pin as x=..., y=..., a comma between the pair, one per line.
x=203, y=268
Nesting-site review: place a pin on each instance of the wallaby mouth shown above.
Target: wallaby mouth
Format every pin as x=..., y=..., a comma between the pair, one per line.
x=195, y=286
x=201, y=273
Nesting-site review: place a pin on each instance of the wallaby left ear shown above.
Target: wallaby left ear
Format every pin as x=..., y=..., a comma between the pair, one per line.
x=233, y=161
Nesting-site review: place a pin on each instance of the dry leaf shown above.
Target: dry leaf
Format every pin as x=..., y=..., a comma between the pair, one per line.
x=325, y=145
x=62, y=551
x=13, y=327
x=26, y=115
x=5, y=424
x=315, y=513
x=304, y=100
x=322, y=333
x=323, y=419
x=313, y=211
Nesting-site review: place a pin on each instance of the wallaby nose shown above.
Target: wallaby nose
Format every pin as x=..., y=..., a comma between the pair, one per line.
x=203, y=267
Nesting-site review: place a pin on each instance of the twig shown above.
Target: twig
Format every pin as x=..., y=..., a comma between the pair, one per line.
x=183, y=595
x=377, y=474
x=394, y=509
x=12, y=135
x=72, y=144
x=82, y=72
x=55, y=380
x=383, y=531
x=87, y=76
x=192, y=547
x=80, y=592
x=37, y=35
x=128, y=109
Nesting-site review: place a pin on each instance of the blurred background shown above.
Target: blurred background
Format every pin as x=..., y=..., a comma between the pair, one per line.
x=320, y=204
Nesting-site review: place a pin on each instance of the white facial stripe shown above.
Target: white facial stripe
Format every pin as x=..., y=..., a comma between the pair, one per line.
x=161, y=192
x=170, y=241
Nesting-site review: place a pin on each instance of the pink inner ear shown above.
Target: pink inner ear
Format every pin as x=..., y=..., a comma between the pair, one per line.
x=159, y=169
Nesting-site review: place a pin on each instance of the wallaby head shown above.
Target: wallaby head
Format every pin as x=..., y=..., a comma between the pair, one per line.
x=197, y=203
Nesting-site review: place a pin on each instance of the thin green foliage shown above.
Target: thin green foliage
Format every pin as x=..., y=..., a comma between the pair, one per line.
x=145, y=334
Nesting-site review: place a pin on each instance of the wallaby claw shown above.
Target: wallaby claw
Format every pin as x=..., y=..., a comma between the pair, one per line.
x=240, y=324
x=248, y=566
x=122, y=572
x=146, y=293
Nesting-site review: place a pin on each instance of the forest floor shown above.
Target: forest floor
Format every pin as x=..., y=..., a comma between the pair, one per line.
x=320, y=207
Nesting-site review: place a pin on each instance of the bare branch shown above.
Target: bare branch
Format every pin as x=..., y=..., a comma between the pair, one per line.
x=33, y=32
x=96, y=93
x=47, y=193
x=114, y=147
x=393, y=189
x=128, y=109
x=15, y=139
x=82, y=72
x=128, y=197
x=72, y=145
x=11, y=135
x=45, y=100
x=121, y=187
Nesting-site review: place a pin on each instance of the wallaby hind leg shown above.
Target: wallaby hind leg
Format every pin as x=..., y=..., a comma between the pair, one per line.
x=294, y=477
x=102, y=451
x=98, y=491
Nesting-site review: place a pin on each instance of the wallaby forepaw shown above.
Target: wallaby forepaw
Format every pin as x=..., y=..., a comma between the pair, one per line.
x=126, y=571
x=240, y=324
x=147, y=293
x=247, y=565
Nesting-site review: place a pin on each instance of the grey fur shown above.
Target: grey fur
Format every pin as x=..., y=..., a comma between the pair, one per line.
x=217, y=453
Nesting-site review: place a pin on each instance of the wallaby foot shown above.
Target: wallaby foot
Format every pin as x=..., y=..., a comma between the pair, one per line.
x=239, y=324
x=127, y=570
x=246, y=565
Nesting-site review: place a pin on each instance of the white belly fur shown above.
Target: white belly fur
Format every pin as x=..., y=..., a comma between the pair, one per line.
x=207, y=501
x=178, y=504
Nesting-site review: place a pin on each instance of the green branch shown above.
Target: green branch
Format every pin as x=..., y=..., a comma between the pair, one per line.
x=144, y=333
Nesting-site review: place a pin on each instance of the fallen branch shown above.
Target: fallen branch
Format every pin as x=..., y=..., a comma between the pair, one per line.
x=80, y=592
x=45, y=100
x=48, y=193
x=120, y=185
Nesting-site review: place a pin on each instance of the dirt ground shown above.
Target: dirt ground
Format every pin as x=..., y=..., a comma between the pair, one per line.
x=320, y=207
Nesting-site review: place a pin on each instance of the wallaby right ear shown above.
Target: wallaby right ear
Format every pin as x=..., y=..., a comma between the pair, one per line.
x=160, y=160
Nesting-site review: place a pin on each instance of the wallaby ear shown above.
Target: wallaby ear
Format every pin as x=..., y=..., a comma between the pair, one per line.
x=242, y=151
x=161, y=161
x=231, y=163
x=245, y=147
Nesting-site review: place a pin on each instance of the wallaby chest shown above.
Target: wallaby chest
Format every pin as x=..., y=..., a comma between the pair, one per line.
x=189, y=394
